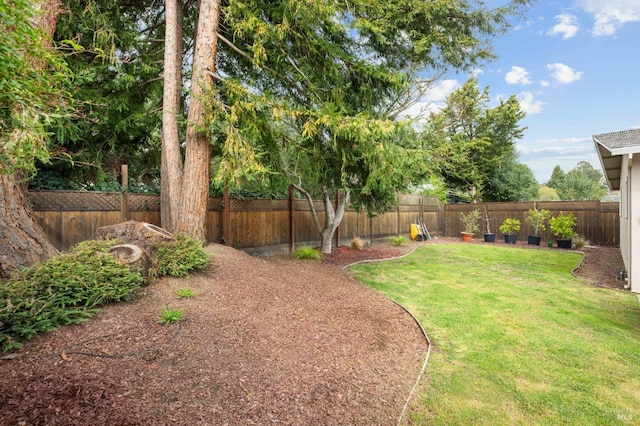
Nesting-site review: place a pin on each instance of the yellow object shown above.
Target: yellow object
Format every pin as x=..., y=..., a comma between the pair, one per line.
x=415, y=231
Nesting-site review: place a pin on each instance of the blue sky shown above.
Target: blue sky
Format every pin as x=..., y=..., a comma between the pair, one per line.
x=575, y=67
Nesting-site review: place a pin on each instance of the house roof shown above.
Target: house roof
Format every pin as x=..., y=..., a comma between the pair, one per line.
x=611, y=147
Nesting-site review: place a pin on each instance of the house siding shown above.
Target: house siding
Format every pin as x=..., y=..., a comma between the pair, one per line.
x=632, y=231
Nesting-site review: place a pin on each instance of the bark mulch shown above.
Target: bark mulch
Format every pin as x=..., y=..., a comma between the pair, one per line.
x=265, y=341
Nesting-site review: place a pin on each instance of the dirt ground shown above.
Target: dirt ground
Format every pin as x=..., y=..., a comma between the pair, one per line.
x=265, y=341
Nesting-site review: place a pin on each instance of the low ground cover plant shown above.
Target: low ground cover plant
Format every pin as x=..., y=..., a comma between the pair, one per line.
x=169, y=316
x=398, y=240
x=178, y=258
x=518, y=339
x=71, y=287
x=307, y=253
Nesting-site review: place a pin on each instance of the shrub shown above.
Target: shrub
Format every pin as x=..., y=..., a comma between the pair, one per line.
x=537, y=219
x=178, y=258
x=357, y=244
x=562, y=226
x=510, y=226
x=398, y=241
x=65, y=289
x=307, y=252
x=470, y=221
x=580, y=242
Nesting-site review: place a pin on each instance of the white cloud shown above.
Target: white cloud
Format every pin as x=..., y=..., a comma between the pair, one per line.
x=529, y=104
x=517, y=75
x=545, y=83
x=609, y=15
x=568, y=26
x=563, y=74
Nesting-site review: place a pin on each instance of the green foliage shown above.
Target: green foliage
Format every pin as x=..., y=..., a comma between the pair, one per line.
x=307, y=253
x=178, y=258
x=563, y=226
x=65, y=289
x=185, y=293
x=32, y=88
x=169, y=316
x=511, y=181
x=537, y=219
x=546, y=193
x=581, y=183
x=510, y=226
x=470, y=220
x=399, y=240
x=472, y=146
x=69, y=288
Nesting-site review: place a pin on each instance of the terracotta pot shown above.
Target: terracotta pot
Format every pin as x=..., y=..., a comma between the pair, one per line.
x=466, y=236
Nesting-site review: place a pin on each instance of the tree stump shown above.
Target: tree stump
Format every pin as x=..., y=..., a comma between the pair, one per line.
x=144, y=236
x=132, y=256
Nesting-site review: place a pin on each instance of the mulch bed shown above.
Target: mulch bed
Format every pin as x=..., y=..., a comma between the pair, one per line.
x=266, y=340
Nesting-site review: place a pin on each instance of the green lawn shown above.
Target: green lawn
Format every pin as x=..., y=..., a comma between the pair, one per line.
x=517, y=339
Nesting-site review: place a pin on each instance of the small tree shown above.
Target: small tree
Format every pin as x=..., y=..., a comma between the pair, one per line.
x=470, y=221
x=537, y=219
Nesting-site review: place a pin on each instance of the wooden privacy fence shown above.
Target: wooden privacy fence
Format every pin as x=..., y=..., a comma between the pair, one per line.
x=69, y=217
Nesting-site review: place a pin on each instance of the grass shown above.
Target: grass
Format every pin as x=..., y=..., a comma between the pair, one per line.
x=307, y=253
x=185, y=293
x=170, y=316
x=517, y=339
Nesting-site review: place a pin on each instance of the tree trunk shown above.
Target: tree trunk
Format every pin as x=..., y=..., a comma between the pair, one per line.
x=22, y=241
x=195, y=179
x=332, y=220
x=171, y=173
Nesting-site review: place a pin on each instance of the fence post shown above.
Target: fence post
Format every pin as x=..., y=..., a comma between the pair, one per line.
x=599, y=237
x=292, y=220
x=398, y=217
x=226, y=215
x=124, y=199
x=338, y=228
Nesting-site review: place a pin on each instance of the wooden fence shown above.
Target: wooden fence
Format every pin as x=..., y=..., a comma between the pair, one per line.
x=69, y=217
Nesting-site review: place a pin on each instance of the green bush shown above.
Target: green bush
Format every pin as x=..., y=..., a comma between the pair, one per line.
x=178, y=258
x=69, y=288
x=398, y=241
x=307, y=252
x=65, y=289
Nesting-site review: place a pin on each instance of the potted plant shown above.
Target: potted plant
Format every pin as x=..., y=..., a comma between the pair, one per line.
x=470, y=221
x=510, y=228
x=489, y=237
x=563, y=227
x=537, y=219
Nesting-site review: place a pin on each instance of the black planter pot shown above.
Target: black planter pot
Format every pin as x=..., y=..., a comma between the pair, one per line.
x=510, y=238
x=489, y=238
x=533, y=240
x=564, y=243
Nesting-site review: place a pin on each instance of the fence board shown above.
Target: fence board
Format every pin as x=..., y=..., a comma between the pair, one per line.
x=69, y=219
